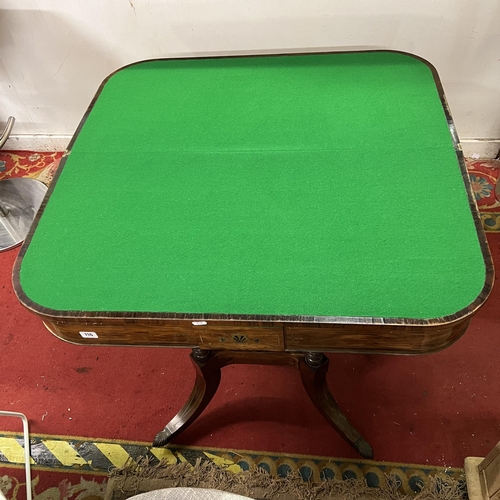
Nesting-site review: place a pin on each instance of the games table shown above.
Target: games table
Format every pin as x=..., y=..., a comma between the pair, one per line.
x=263, y=209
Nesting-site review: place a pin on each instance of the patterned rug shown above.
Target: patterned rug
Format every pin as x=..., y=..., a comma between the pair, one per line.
x=40, y=166
x=484, y=175
x=75, y=468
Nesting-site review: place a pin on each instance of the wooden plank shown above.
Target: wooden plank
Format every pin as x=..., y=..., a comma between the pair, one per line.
x=483, y=476
x=492, y=476
x=490, y=457
x=473, y=479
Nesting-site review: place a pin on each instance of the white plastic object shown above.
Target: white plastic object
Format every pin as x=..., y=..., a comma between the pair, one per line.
x=27, y=457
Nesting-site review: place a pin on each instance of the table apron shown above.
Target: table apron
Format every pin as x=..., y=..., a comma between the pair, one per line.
x=254, y=336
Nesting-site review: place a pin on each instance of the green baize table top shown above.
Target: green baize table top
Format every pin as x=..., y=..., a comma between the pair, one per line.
x=321, y=185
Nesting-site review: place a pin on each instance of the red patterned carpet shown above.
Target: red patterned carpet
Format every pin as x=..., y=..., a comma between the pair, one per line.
x=434, y=409
x=40, y=166
x=484, y=175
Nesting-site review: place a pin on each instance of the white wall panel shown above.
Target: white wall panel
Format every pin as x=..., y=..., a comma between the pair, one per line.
x=55, y=53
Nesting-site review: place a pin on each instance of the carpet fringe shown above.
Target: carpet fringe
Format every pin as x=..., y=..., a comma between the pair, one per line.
x=142, y=476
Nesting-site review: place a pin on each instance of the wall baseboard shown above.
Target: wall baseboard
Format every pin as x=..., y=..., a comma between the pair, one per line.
x=42, y=143
x=483, y=148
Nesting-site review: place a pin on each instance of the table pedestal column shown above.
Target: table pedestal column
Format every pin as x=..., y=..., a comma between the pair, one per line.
x=313, y=367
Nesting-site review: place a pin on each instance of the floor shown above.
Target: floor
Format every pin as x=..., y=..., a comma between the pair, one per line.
x=457, y=391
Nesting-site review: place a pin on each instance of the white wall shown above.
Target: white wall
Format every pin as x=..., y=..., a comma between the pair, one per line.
x=55, y=53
